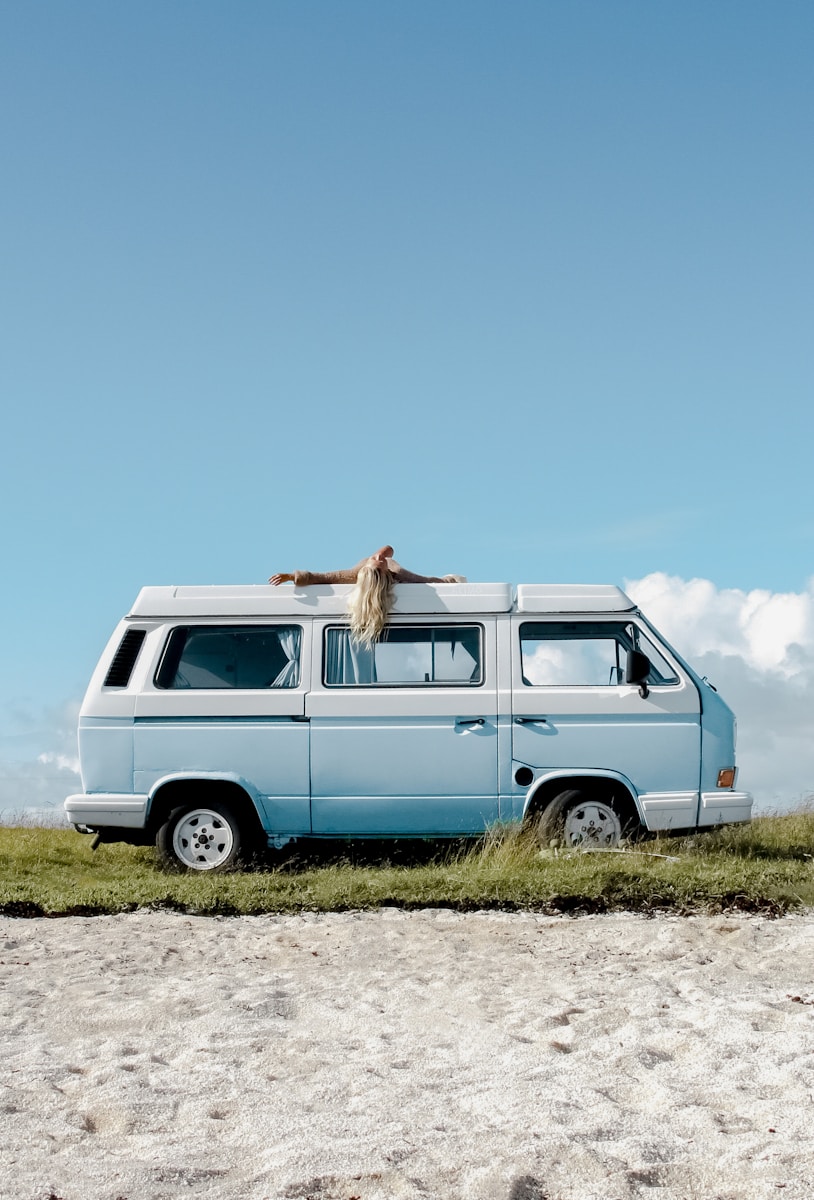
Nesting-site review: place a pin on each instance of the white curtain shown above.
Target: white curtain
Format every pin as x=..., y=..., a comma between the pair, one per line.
x=290, y=646
x=347, y=661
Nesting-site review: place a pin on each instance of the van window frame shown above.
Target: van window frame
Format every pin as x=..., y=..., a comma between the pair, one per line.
x=635, y=634
x=169, y=660
x=418, y=685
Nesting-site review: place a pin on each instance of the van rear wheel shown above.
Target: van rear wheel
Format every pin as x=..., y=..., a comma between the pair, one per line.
x=579, y=821
x=200, y=838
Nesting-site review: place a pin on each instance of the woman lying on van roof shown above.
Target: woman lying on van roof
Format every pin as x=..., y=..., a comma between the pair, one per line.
x=382, y=560
x=370, y=601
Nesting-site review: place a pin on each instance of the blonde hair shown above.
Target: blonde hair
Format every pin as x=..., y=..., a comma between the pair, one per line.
x=369, y=603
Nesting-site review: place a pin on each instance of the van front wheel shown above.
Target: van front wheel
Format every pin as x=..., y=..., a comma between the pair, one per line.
x=579, y=821
x=200, y=838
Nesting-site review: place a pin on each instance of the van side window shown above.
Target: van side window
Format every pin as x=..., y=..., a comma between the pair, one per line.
x=586, y=653
x=405, y=655
x=222, y=656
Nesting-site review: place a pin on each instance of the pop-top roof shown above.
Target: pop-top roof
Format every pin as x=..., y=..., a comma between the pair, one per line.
x=263, y=600
x=572, y=598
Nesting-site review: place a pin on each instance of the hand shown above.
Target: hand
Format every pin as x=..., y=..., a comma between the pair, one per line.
x=275, y=579
x=381, y=556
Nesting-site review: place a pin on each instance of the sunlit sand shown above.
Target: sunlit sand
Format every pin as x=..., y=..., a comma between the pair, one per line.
x=433, y=1054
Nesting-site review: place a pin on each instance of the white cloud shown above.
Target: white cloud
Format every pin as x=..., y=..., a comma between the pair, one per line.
x=758, y=649
x=39, y=765
x=63, y=762
x=771, y=631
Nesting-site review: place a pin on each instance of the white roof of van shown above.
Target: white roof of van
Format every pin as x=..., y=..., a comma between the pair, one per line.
x=263, y=600
x=572, y=598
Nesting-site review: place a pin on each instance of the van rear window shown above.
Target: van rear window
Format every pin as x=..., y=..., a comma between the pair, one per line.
x=222, y=656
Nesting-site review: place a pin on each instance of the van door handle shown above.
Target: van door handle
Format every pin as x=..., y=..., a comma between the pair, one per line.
x=531, y=720
x=470, y=720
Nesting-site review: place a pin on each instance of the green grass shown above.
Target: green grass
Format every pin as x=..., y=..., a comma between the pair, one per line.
x=767, y=867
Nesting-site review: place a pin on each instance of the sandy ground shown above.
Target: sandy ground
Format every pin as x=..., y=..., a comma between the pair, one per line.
x=434, y=1054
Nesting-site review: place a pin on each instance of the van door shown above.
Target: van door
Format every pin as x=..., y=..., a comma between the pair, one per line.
x=404, y=733
x=573, y=712
x=227, y=701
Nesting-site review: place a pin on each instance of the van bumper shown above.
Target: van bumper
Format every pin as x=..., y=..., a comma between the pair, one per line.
x=688, y=810
x=719, y=808
x=107, y=809
x=664, y=811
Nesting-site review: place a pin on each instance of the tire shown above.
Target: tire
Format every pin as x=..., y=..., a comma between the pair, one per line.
x=580, y=821
x=201, y=837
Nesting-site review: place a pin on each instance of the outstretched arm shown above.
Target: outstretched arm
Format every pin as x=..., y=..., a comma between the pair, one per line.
x=402, y=575
x=307, y=578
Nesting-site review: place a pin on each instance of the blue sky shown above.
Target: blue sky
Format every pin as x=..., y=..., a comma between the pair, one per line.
x=524, y=289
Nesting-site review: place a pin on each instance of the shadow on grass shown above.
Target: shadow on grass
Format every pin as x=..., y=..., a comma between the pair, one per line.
x=301, y=856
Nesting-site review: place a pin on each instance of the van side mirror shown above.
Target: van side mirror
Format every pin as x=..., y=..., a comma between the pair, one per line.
x=637, y=669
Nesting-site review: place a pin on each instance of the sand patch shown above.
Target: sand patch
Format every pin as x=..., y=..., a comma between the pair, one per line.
x=432, y=1054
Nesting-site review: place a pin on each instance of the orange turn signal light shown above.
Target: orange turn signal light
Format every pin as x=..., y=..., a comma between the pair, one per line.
x=726, y=777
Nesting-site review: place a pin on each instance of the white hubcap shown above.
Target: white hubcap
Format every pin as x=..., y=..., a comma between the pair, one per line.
x=202, y=840
x=592, y=825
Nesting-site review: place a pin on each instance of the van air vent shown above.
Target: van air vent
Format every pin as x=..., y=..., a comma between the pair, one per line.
x=125, y=659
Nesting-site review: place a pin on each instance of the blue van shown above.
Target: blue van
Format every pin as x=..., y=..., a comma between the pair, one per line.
x=220, y=719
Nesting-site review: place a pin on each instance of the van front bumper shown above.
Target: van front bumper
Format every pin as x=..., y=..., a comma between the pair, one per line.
x=103, y=809
x=664, y=811
x=721, y=808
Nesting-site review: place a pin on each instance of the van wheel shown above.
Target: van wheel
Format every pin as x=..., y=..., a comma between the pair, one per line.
x=579, y=821
x=200, y=838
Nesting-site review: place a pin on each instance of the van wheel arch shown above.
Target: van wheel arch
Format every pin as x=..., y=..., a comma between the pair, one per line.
x=221, y=799
x=550, y=815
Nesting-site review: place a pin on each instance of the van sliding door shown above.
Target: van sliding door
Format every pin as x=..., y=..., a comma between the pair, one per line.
x=404, y=733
